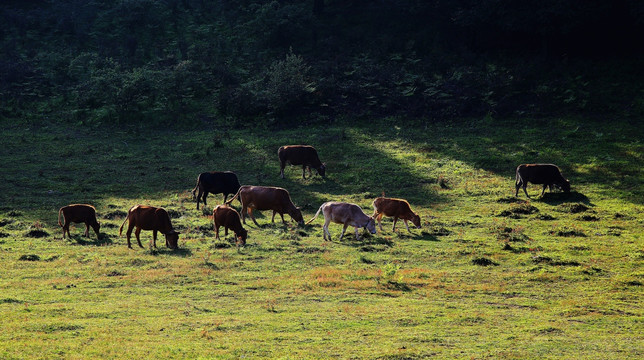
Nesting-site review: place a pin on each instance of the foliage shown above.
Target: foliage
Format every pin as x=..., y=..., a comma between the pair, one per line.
x=163, y=62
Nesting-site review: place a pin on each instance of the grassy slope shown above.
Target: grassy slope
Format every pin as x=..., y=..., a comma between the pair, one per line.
x=566, y=284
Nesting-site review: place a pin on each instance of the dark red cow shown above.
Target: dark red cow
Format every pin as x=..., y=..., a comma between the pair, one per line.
x=150, y=218
x=228, y=217
x=304, y=155
x=78, y=213
x=396, y=208
x=267, y=198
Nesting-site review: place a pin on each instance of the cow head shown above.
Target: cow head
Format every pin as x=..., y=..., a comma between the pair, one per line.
x=416, y=221
x=297, y=216
x=371, y=225
x=565, y=185
x=321, y=170
x=241, y=237
x=96, y=226
x=172, y=239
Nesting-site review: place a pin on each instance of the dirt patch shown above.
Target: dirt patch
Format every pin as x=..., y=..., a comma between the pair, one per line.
x=515, y=211
x=589, y=217
x=573, y=208
x=555, y=262
x=545, y=217
x=481, y=261
x=30, y=257
x=4, y=235
x=115, y=214
x=37, y=233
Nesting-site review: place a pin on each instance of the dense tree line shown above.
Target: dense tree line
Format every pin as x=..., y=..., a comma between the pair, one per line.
x=178, y=60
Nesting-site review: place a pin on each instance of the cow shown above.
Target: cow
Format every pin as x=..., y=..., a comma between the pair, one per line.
x=304, y=155
x=396, y=208
x=266, y=198
x=344, y=213
x=150, y=218
x=228, y=217
x=215, y=182
x=546, y=174
x=78, y=213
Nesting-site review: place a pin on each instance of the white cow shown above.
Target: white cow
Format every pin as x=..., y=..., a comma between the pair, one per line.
x=347, y=214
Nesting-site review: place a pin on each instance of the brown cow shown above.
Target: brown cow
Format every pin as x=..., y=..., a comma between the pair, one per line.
x=344, y=213
x=546, y=174
x=266, y=198
x=228, y=217
x=78, y=213
x=150, y=218
x=396, y=208
x=304, y=155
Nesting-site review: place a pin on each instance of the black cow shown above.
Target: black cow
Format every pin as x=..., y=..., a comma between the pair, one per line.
x=304, y=155
x=546, y=174
x=216, y=182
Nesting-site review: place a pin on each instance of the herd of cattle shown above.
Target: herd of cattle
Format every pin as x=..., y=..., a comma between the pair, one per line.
x=279, y=201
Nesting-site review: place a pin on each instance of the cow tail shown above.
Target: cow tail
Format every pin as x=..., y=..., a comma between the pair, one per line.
x=316, y=215
x=518, y=178
x=234, y=197
x=126, y=219
x=196, y=186
x=60, y=213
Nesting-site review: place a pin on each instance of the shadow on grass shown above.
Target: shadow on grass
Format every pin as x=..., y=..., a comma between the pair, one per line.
x=180, y=252
x=102, y=240
x=558, y=198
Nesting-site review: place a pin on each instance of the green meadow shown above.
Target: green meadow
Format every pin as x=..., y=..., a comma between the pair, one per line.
x=488, y=276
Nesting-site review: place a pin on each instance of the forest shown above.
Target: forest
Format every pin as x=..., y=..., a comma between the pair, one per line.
x=283, y=62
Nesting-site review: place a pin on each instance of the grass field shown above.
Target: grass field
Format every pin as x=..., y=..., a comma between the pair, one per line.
x=488, y=276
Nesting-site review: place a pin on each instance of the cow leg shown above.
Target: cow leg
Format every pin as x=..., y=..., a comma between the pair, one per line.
x=216, y=231
x=137, y=232
x=282, y=166
x=525, y=185
x=283, y=221
x=395, y=220
x=205, y=195
x=199, y=194
x=407, y=225
x=243, y=214
x=273, y=218
x=325, y=229
x=303, y=171
x=128, y=234
x=225, y=198
x=517, y=186
x=250, y=213
x=86, y=229
x=310, y=173
x=544, y=189
x=344, y=228
x=378, y=218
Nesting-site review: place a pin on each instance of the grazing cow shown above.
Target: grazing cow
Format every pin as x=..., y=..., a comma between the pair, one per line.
x=347, y=214
x=266, y=198
x=228, y=217
x=78, y=213
x=215, y=182
x=546, y=174
x=396, y=208
x=150, y=218
x=304, y=155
